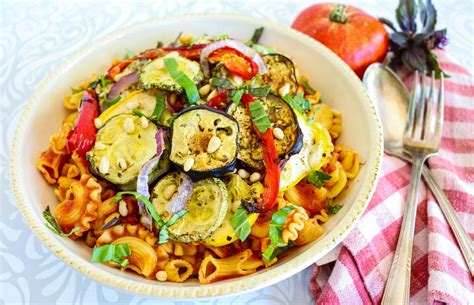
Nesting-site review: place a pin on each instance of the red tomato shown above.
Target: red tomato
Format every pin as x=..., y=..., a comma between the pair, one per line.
x=235, y=62
x=356, y=37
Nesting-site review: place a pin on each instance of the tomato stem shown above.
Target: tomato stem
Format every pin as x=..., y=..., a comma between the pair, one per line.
x=338, y=14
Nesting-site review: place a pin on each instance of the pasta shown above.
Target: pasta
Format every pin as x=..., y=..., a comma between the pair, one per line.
x=206, y=225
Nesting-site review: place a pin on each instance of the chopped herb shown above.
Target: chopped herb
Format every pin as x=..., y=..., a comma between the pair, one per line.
x=147, y=203
x=183, y=80
x=240, y=223
x=257, y=34
x=276, y=225
x=159, y=107
x=76, y=90
x=221, y=82
x=307, y=86
x=53, y=226
x=317, y=178
x=113, y=101
x=298, y=103
x=259, y=116
x=237, y=96
x=264, y=50
x=223, y=36
x=104, y=81
x=159, y=44
x=259, y=92
x=175, y=42
x=164, y=236
x=111, y=253
x=138, y=112
x=272, y=251
x=333, y=209
x=129, y=53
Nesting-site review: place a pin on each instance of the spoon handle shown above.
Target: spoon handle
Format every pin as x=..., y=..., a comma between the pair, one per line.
x=397, y=290
x=462, y=238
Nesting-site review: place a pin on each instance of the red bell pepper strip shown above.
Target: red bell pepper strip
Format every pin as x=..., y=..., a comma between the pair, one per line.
x=220, y=100
x=272, y=169
x=235, y=62
x=192, y=52
x=82, y=137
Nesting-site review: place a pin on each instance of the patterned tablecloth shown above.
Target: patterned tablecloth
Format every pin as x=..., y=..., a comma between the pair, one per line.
x=36, y=36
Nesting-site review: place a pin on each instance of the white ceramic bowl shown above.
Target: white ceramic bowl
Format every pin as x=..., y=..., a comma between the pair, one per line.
x=339, y=86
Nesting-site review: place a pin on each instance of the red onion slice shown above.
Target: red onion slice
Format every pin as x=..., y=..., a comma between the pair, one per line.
x=123, y=83
x=235, y=44
x=142, y=180
x=180, y=198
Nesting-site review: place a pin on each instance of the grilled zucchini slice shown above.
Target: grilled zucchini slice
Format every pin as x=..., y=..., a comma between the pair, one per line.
x=207, y=208
x=281, y=72
x=114, y=143
x=192, y=131
x=144, y=101
x=281, y=115
x=155, y=75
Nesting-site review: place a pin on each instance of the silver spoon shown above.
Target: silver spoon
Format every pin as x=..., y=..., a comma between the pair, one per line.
x=391, y=98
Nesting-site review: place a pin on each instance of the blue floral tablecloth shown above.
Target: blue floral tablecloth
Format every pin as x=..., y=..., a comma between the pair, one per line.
x=36, y=36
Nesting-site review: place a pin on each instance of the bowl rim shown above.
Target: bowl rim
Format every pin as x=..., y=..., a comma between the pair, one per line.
x=238, y=285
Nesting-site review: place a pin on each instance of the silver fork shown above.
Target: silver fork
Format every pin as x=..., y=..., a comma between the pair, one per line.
x=421, y=140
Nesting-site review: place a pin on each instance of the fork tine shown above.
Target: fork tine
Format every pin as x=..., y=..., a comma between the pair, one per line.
x=428, y=129
x=412, y=107
x=420, y=109
x=440, y=110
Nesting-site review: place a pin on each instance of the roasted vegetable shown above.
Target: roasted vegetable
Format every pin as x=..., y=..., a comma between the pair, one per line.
x=204, y=142
x=281, y=74
x=281, y=116
x=156, y=75
x=144, y=101
x=122, y=147
x=206, y=207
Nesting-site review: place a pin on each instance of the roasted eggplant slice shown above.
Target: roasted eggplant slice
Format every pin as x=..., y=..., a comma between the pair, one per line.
x=204, y=142
x=207, y=207
x=281, y=74
x=155, y=75
x=123, y=145
x=281, y=116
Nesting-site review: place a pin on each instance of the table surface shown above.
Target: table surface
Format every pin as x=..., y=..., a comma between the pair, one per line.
x=36, y=36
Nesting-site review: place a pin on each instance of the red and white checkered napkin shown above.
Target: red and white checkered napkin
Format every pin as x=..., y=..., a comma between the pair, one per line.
x=439, y=273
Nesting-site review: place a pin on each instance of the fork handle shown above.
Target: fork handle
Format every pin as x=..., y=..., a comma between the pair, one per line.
x=397, y=289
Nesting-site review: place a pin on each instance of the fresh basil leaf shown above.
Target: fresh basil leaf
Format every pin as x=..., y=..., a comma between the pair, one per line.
x=111, y=252
x=222, y=82
x=240, y=223
x=159, y=107
x=183, y=80
x=307, y=86
x=259, y=92
x=164, y=233
x=238, y=96
x=276, y=225
x=272, y=251
x=159, y=44
x=176, y=217
x=259, y=116
x=138, y=112
x=104, y=81
x=264, y=50
x=223, y=36
x=298, y=103
x=257, y=34
x=113, y=101
x=317, y=178
x=129, y=53
x=53, y=226
x=333, y=209
x=147, y=203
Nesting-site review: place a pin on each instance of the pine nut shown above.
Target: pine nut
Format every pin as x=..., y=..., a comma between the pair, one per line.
x=211, y=95
x=123, y=210
x=143, y=122
x=284, y=90
x=172, y=98
x=278, y=133
x=161, y=276
x=98, y=123
x=243, y=173
x=188, y=164
x=128, y=125
x=255, y=177
x=104, y=165
x=100, y=146
x=204, y=90
x=169, y=191
x=122, y=163
x=132, y=105
x=214, y=144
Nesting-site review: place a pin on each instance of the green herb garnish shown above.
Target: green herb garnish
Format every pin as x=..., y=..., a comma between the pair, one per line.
x=183, y=80
x=104, y=81
x=298, y=103
x=317, y=178
x=257, y=34
x=259, y=116
x=111, y=253
x=259, y=92
x=53, y=226
x=76, y=90
x=138, y=112
x=332, y=209
x=240, y=223
x=147, y=203
x=276, y=227
x=221, y=82
x=159, y=107
x=307, y=86
x=113, y=101
x=272, y=251
x=159, y=44
x=264, y=50
x=129, y=53
x=164, y=234
x=237, y=96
